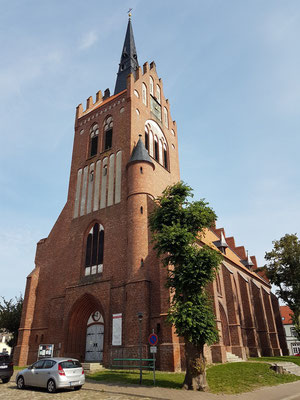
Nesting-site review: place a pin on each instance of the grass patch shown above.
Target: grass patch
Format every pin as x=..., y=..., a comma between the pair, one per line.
x=294, y=359
x=17, y=368
x=228, y=378
x=242, y=377
x=171, y=380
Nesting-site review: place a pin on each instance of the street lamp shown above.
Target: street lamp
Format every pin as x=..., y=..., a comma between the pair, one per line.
x=140, y=318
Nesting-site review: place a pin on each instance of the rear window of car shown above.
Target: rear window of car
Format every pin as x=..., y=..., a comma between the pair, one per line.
x=4, y=358
x=70, y=364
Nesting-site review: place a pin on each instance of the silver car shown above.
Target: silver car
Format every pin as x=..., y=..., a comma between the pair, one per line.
x=52, y=373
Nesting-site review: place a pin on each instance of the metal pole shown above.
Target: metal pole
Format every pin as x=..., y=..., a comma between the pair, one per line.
x=154, y=369
x=140, y=317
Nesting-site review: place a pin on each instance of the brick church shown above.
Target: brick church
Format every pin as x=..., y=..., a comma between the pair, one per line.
x=97, y=269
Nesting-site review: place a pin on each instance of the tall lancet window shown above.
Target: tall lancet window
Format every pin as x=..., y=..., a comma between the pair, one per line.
x=94, y=250
x=144, y=94
x=108, y=133
x=151, y=86
x=94, y=134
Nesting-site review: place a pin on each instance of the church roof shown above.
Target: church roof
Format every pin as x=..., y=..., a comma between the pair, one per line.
x=128, y=62
x=140, y=153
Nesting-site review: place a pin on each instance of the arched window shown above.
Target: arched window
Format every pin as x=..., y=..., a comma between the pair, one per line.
x=144, y=94
x=94, y=134
x=156, y=143
x=155, y=148
x=108, y=132
x=146, y=138
x=94, y=250
x=165, y=156
x=166, y=120
x=151, y=86
x=158, y=93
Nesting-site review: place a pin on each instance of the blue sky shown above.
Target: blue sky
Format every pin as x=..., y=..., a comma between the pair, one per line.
x=230, y=70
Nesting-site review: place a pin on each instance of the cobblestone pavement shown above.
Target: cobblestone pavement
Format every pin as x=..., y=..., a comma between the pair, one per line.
x=9, y=391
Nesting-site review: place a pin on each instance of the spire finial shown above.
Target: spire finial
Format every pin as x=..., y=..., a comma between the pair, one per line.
x=129, y=12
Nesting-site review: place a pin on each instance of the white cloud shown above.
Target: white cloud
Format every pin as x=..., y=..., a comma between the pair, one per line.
x=88, y=40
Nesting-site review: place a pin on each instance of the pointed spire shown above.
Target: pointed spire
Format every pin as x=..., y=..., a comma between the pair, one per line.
x=248, y=262
x=129, y=62
x=140, y=154
x=221, y=244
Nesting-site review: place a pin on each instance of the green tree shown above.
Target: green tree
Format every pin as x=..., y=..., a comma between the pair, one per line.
x=177, y=225
x=283, y=270
x=10, y=317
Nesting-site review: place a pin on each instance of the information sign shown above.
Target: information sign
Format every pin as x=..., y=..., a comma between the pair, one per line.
x=153, y=349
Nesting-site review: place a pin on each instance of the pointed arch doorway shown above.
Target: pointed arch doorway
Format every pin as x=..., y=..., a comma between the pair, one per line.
x=94, y=338
x=85, y=330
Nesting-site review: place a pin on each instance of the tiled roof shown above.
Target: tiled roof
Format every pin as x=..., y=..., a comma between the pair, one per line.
x=286, y=313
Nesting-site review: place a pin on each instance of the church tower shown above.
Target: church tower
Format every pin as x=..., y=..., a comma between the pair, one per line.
x=97, y=270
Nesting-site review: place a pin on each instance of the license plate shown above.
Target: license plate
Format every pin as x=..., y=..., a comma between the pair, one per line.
x=3, y=366
x=74, y=383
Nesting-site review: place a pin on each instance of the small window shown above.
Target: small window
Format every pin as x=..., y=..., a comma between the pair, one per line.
x=142, y=210
x=108, y=139
x=144, y=94
x=151, y=86
x=146, y=140
x=108, y=133
x=158, y=93
x=165, y=156
x=94, y=133
x=155, y=149
x=141, y=170
x=166, y=121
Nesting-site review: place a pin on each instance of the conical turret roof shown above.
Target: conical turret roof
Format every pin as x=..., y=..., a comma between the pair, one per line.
x=140, y=154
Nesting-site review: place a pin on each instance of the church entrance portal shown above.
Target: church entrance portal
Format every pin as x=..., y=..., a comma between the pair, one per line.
x=85, y=330
x=94, y=338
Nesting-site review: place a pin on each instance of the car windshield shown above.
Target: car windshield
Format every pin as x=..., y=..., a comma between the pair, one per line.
x=70, y=364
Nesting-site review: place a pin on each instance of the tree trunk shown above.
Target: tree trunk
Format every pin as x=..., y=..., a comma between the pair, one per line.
x=195, y=377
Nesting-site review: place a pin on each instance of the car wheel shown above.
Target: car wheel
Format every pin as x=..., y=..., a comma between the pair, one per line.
x=77, y=387
x=51, y=387
x=20, y=382
x=5, y=380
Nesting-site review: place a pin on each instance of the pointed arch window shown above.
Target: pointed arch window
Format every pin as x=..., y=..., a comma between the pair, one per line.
x=156, y=144
x=166, y=120
x=146, y=138
x=158, y=93
x=94, y=250
x=144, y=94
x=151, y=86
x=155, y=148
x=108, y=133
x=94, y=134
x=165, y=156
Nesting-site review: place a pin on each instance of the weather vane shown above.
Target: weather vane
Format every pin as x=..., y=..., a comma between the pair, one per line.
x=129, y=12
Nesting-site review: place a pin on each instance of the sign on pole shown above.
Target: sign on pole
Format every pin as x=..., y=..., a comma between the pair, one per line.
x=153, y=349
x=153, y=339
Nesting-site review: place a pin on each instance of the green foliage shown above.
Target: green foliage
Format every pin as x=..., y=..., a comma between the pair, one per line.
x=10, y=317
x=283, y=270
x=176, y=225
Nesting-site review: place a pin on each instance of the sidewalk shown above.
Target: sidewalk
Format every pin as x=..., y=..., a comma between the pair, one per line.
x=288, y=391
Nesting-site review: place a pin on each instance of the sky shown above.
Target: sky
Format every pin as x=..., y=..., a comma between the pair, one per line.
x=230, y=70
